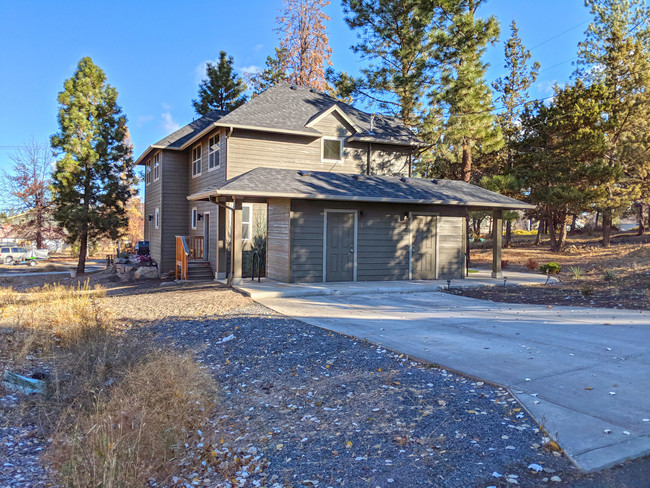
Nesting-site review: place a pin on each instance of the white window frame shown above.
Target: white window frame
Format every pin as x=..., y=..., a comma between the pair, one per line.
x=156, y=218
x=196, y=162
x=250, y=222
x=156, y=166
x=322, y=149
x=147, y=173
x=194, y=218
x=214, y=152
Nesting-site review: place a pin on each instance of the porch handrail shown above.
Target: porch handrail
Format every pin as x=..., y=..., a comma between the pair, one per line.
x=182, y=255
x=188, y=248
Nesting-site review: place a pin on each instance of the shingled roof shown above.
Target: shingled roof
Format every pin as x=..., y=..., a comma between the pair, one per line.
x=318, y=185
x=289, y=109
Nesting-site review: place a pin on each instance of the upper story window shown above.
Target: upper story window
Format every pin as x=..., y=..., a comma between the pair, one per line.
x=156, y=167
x=147, y=173
x=196, y=161
x=246, y=217
x=332, y=149
x=213, y=152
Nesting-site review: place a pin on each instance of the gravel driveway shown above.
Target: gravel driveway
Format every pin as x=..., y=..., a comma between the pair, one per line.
x=303, y=407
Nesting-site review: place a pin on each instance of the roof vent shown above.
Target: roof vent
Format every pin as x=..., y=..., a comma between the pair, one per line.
x=403, y=180
x=358, y=177
x=293, y=87
x=314, y=90
x=304, y=173
x=372, y=124
x=436, y=182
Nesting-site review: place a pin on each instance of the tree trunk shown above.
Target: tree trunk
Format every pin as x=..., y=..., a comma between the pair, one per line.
x=83, y=249
x=607, y=226
x=639, y=217
x=467, y=162
x=552, y=233
x=538, y=238
x=597, y=218
x=506, y=242
x=574, y=218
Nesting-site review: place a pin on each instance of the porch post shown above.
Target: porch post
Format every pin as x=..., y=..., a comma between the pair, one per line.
x=236, y=249
x=497, y=238
x=220, y=272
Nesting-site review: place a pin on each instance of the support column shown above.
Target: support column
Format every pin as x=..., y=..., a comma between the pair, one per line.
x=222, y=216
x=235, y=246
x=497, y=241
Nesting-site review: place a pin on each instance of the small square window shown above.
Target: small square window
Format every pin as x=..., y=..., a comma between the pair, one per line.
x=332, y=149
x=213, y=152
x=196, y=161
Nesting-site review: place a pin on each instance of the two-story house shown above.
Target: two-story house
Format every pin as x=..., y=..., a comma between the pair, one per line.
x=330, y=183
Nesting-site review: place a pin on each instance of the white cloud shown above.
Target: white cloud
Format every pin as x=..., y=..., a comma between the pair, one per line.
x=249, y=70
x=168, y=122
x=258, y=47
x=545, y=88
x=143, y=119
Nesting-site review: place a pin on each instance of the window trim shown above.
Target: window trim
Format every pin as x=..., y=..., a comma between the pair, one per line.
x=322, y=149
x=156, y=162
x=156, y=218
x=194, y=218
x=147, y=173
x=249, y=222
x=216, y=151
x=194, y=161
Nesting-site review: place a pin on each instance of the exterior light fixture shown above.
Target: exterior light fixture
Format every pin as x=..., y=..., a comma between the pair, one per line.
x=150, y=217
x=448, y=284
x=504, y=280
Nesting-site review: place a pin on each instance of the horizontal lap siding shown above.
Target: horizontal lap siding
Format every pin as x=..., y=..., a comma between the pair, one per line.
x=382, y=240
x=277, y=260
x=451, y=247
x=174, y=214
x=152, y=200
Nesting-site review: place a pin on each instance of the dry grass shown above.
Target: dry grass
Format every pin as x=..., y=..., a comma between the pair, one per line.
x=131, y=436
x=117, y=410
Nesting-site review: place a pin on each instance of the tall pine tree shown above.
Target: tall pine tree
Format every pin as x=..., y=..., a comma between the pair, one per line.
x=222, y=89
x=275, y=72
x=616, y=54
x=394, y=37
x=94, y=177
x=463, y=94
x=304, y=40
x=512, y=92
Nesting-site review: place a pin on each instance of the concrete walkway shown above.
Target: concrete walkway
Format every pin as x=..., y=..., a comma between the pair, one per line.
x=275, y=289
x=583, y=373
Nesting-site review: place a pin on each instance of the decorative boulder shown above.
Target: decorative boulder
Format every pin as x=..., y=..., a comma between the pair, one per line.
x=147, y=273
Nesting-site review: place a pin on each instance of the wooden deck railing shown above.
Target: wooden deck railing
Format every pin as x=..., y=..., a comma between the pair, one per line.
x=188, y=248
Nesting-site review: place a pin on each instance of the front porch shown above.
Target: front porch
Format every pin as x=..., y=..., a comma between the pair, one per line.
x=268, y=288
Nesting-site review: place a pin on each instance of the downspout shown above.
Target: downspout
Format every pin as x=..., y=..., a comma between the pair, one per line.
x=368, y=158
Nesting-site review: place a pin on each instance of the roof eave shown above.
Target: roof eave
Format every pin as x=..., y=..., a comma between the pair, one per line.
x=212, y=126
x=318, y=196
x=392, y=142
x=147, y=151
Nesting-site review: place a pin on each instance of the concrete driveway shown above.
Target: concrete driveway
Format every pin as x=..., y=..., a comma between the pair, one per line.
x=583, y=373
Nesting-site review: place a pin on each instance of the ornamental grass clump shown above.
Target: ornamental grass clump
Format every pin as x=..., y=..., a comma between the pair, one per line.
x=131, y=435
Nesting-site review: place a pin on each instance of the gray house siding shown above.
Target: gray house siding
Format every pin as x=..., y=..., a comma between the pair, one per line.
x=383, y=240
x=249, y=149
x=278, y=243
x=174, y=219
x=153, y=192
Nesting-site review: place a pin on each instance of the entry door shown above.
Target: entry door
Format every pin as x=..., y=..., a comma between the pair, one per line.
x=423, y=247
x=339, y=252
x=206, y=236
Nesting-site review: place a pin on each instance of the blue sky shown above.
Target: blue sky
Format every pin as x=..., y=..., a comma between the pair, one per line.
x=153, y=52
